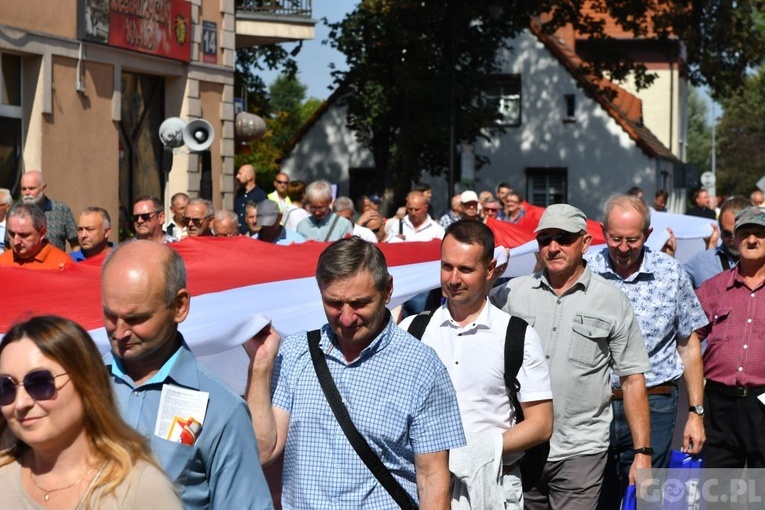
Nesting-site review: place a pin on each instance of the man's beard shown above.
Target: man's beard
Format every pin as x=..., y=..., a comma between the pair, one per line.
x=29, y=199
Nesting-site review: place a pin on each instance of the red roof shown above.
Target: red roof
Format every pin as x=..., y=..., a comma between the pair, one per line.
x=625, y=108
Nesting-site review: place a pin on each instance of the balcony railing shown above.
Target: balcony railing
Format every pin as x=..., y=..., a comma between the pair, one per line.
x=299, y=8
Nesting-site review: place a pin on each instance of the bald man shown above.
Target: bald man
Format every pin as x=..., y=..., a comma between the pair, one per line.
x=144, y=299
x=247, y=192
x=58, y=215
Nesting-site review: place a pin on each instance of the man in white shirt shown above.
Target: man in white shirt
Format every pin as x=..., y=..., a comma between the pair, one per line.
x=468, y=333
x=417, y=225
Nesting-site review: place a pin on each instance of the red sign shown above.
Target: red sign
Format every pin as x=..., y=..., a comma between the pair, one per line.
x=157, y=27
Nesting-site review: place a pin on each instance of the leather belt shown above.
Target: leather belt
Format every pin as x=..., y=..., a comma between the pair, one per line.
x=734, y=391
x=661, y=389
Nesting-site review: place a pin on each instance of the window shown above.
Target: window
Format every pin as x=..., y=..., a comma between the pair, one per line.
x=570, y=100
x=10, y=121
x=546, y=186
x=505, y=92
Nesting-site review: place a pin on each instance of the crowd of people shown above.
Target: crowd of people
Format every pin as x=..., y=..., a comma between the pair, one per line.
x=548, y=391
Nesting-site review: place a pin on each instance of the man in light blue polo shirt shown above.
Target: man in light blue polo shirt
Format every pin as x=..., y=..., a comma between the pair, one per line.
x=144, y=298
x=397, y=392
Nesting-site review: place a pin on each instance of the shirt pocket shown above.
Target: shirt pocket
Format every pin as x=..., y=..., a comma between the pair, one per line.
x=720, y=324
x=175, y=458
x=589, y=340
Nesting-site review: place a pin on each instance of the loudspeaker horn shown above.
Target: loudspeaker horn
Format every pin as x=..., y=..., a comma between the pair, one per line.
x=248, y=127
x=171, y=132
x=198, y=135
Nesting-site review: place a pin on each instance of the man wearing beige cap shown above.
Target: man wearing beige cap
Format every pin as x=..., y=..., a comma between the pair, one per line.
x=588, y=329
x=469, y=201
x=734, y=302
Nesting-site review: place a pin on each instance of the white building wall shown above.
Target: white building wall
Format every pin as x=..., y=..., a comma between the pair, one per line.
x=598, y=154
x=327, y=151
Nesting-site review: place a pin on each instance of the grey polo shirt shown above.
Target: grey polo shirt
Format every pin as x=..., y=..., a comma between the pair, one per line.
x=585, y=333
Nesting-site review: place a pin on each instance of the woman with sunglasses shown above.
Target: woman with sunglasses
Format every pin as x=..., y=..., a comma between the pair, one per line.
x=67, y=447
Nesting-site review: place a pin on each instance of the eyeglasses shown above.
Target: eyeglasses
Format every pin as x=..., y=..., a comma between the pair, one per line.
x=144, y=216
x=40, y=385
x=632, y=242
x=491, y=209
x=196, y=221
x=282, y=182
x=562, y=238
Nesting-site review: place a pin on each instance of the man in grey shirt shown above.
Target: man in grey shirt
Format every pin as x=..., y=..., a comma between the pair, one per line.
x=587, y=329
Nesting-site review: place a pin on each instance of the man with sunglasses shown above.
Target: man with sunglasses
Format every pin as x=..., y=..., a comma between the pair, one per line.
x=587, y=329
x=735, y=373
x=148, y=218
x=668, y=313
x=279, y=194
x=199, y=216
x=713, y=261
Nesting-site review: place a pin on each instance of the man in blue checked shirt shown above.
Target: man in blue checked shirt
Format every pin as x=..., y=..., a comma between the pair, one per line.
x=397, y=392
x=668, y=312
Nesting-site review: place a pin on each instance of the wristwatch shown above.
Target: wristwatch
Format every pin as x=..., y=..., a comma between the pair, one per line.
x=697, y=409
x=645, y=451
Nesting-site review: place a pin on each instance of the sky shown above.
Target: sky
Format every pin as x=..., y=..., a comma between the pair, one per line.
x=314, y=58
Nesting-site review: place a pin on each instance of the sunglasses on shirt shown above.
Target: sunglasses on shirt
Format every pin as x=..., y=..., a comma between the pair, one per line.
x=40, y=385
x=562, y=238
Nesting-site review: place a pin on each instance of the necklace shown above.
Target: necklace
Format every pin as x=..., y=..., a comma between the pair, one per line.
x=48, y=492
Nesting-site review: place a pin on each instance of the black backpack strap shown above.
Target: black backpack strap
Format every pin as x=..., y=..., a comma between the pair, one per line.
x=360, y=445
x=533, y=462
x=419, y=324
x=514, y=340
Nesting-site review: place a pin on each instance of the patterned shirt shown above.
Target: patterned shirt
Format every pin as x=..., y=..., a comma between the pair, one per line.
x=665, y=306
x=447, y=219
x=61, y=226
x=736, y=330
x=399, y=397
x=242, y=198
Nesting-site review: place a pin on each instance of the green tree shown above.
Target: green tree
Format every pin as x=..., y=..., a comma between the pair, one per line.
x=741, y=138
x=699, y=133
x=284, y=109
x=419, y=67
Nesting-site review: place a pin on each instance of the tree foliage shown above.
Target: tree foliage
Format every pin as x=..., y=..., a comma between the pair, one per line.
x=284, y=109
x=741, y=138
x=699, y=132
x=411, y=61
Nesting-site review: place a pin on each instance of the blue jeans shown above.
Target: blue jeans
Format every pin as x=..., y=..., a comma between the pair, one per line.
x=663, y=409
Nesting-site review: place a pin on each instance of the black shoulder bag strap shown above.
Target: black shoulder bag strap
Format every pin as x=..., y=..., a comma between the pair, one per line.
x=533, y=462
x=370, y=459
x=724, y=262
x=331, y=228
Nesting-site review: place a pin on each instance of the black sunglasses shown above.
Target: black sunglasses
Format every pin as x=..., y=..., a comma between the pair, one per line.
x=562, y=238
x=144, y=216
x=40, y=385
x=283, y=182
x=196, y=221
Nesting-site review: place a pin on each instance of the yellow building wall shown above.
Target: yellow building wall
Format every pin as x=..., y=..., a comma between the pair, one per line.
x=80, y=147
x=57, y=17
x=210, y=95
